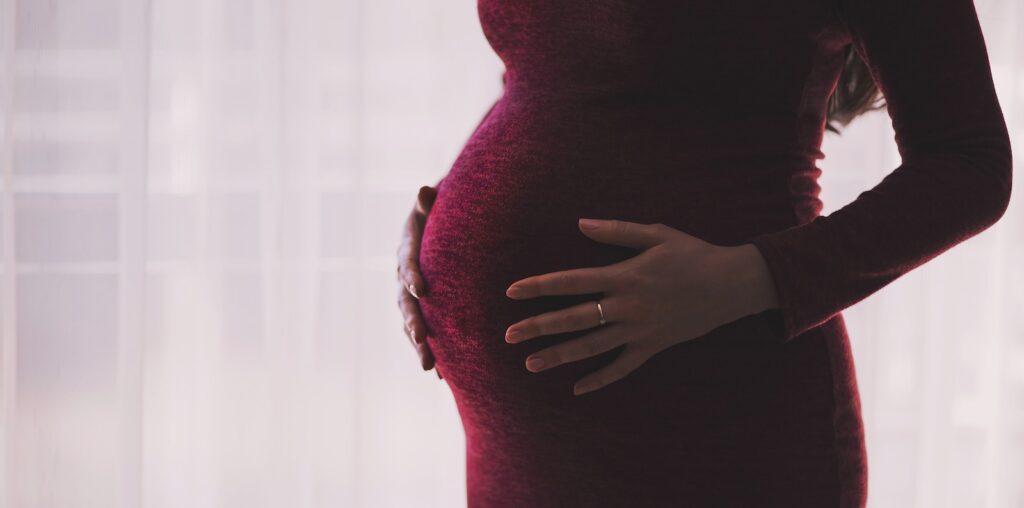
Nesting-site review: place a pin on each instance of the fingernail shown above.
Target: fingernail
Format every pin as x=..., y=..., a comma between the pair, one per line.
x=588, y=224
x=534, y=364
x=579, y=389
x=512, y=336
x=412, y=289
x=514, y=292
x=413, y=333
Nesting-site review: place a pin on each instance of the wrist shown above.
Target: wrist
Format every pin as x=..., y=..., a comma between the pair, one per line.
x=752, y=283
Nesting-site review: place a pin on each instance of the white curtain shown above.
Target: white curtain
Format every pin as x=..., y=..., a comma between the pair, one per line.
x=200, y=202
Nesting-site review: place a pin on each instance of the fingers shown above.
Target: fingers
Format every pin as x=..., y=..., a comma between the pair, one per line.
x=569, y=282
x=577, y=317
x=411, y=315
x=626, y=234
x=415, y=328
x=412, y=283
x=408, y=258
x=411, y=279
x=632, y=356
x=603, y=339
x=426, y=356
x=425, y=199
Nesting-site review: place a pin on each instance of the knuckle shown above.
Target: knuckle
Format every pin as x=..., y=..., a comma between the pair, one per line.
x=623, y=309
x=552, y=359
x=629, y=279
x=641, y=312
x=539, y=324
x=567, y=353
x=566, y=321
x=564, y=280
x=551, y=325
x=617, y=309
x=555, y=355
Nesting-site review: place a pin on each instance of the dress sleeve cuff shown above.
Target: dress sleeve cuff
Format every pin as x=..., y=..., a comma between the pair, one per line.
x=795, y=292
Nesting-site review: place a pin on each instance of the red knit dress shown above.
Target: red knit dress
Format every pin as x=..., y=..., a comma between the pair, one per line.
x=706, y=116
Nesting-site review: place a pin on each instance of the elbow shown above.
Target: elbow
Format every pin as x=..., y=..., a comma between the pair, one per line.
x=997, y=199
x=1002, y=199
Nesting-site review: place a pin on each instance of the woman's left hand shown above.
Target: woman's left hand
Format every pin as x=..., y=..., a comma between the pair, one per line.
x=679, y=288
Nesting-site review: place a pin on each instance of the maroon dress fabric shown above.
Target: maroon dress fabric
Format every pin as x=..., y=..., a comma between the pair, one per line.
x=706, y=116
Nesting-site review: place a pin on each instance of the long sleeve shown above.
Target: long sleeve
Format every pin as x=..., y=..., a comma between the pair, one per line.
x=929, y=60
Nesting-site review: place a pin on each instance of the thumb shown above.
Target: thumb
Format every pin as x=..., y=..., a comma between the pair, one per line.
x=626, y=234
x=425, y=199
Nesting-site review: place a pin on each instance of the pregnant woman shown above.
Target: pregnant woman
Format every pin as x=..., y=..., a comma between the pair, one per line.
x=686, y=347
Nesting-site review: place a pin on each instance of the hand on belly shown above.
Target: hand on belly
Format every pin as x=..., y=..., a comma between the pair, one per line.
x=677, y=288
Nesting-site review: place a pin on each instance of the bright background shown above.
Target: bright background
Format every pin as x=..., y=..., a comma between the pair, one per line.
x=199, y=208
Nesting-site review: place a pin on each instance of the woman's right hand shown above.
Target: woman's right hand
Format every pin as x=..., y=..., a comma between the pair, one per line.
x=410, y=281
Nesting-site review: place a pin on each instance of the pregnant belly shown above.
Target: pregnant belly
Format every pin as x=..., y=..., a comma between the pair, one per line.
x=495, y=223
x=733, y=374
x=509, y=207
x=691, y=408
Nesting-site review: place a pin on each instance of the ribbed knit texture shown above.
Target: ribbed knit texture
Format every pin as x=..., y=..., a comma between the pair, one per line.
x=708, y=117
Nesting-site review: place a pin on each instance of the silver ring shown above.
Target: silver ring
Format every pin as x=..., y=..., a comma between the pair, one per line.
x=601, y=311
